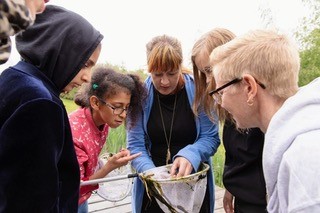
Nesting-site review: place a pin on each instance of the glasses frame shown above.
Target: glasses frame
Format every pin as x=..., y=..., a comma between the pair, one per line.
x=114, y=108
x=236, y=80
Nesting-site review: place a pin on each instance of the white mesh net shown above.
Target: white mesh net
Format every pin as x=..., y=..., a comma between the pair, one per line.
x=115, y=190
x=184, y=194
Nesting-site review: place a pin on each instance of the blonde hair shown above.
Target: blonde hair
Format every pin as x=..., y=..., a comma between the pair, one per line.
x=203, y=47
x=268, y=56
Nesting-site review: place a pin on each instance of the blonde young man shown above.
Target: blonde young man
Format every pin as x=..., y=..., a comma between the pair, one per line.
x=257, y=83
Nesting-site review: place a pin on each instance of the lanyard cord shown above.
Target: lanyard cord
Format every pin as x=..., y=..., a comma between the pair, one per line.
x=168, y=157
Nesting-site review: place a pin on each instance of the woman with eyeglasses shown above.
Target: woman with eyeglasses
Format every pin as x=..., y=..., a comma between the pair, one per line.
x=268, y=97
x=105, y=103
x=243, y=175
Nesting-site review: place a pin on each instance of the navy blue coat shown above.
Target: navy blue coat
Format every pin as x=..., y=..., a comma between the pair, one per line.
x=39, y=171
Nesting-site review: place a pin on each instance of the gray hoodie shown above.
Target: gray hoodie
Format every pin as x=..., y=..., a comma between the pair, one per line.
x=291, y=150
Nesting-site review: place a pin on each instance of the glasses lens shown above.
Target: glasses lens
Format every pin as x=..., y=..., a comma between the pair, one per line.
x=217, y=98
x=118, y=111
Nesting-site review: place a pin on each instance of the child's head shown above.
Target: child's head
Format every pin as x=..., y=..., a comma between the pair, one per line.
x=112, y=96
x=202, y=49
x=200, y=58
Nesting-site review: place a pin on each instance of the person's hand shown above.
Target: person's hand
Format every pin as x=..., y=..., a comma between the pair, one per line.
x=228, y=202
x=181, y=167
x=121, y=158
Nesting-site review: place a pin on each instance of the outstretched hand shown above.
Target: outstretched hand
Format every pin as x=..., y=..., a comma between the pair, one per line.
x=181, y=167
x=121, y=159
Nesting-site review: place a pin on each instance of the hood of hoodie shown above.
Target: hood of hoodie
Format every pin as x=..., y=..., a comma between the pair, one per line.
x=299, y=115
x=59, y=44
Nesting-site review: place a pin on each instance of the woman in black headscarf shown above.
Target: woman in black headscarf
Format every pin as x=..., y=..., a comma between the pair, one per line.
x=39, y=171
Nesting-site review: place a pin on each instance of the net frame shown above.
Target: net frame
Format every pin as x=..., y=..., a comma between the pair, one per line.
x=171, y=193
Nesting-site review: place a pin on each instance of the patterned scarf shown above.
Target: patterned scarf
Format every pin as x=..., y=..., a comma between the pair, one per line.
x=14, y=17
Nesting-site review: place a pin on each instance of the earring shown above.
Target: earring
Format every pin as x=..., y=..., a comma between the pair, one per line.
x=250, y=102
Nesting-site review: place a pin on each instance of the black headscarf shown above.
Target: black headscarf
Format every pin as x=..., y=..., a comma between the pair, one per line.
x=59, y=44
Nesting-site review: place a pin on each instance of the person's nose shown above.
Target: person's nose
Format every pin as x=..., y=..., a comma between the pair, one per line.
x=123, y=114
x=86, y=76
x=164, y=80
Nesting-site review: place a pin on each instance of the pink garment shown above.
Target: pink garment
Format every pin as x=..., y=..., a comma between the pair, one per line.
x=88, y=141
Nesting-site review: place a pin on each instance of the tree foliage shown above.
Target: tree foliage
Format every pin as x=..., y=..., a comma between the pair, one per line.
x=140, y=72
x=308, y=35
x=309, y=23
x=310, y=60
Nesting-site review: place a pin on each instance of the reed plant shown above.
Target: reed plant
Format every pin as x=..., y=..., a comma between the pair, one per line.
x=115, y=141
x=218, y=165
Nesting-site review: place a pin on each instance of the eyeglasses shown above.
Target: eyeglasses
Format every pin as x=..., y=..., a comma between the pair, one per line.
x=116, y=110
x=217, y=93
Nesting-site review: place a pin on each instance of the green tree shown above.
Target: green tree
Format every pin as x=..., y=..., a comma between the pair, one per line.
x=308, y=36
x=140, y=72
x=310, y=62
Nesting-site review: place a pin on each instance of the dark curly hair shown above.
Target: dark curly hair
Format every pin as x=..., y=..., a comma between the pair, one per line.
x=105, y=82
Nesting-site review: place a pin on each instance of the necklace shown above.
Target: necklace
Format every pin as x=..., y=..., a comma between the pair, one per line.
x=164, y=127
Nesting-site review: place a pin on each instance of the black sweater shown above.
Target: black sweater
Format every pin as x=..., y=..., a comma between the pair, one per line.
x=243, y=174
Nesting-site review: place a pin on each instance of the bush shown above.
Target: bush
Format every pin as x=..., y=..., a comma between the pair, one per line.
x=308, y=75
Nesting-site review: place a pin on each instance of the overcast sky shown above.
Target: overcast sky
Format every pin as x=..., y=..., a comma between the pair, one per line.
x=128, y=25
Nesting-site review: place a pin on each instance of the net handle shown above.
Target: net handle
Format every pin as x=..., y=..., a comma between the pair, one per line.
x=108, y=179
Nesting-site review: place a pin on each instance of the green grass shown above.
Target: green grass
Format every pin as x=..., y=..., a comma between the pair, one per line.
x=117, y=139
x=218, y=165
x=69, y=104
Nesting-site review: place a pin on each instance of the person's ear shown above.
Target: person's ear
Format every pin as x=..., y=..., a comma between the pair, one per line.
x=94, y=102
x=250, y=87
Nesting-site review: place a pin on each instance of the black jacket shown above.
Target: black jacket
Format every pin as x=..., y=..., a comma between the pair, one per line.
x=243, y=174
x=39, y=171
